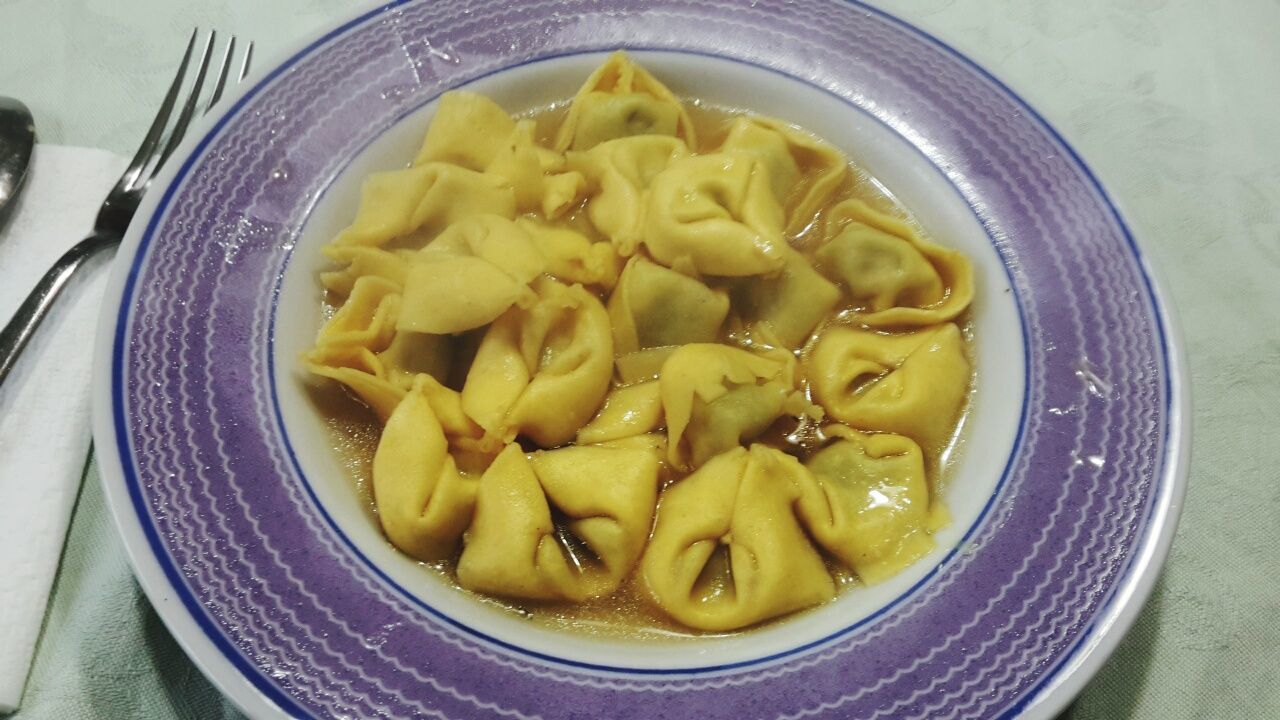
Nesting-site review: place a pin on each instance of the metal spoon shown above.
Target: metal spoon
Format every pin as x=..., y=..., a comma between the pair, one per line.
x=17, y=137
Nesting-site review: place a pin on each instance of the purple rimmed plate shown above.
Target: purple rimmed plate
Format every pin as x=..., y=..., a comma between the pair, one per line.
x=257, y=552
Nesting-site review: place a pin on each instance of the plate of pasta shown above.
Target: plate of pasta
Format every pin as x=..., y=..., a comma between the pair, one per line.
x=678, y=359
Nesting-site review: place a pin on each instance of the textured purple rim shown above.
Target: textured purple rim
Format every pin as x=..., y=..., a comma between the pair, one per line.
x=305, y=622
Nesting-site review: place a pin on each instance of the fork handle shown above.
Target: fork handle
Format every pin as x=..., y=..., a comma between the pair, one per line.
x=33, y=310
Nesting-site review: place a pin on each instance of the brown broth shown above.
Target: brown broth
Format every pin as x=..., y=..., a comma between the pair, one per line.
x=630, y=612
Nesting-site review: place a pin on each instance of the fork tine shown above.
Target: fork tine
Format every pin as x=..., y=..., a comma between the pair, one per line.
x=248, y=57
x=149, y=143
x=189, y=107
x=220, y=82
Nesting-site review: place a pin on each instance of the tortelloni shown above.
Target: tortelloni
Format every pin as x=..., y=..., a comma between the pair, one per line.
x=912, y=384
x=423, y=501
x=624, y=377
x=469, y=275
x=541, y=372
x=619, y=173
x=717, y=215
x=715, y=397
x=627, y=411
x=473, y=132
x=728, y=549
x=349, y=345
x=872, y=508
x=656, y=307
x=896, y=277
x=360, y=261
x=515, y=548
x=412, y=205
x=790, y=304
x=803, y=170
x=622, y=99
x=572, y=257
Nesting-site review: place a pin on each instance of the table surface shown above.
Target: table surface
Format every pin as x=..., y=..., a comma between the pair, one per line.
x=1172, y=102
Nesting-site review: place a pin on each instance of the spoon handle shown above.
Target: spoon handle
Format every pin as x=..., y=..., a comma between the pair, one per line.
x=20, y=329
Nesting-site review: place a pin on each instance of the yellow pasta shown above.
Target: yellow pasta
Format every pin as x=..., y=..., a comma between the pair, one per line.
x=803, y=171
x=716, y=396
x=542, y=371
x=435, y=285
x=512, y=547
x=870, y=507
x=424, y=503
x=641, y=365
x=627, y=411
x=468, y=130
x=899, y=278
x=359, y=261
x=423, y=200
x=361, y=372
x=606, y=363
x=621, y=99
x=619, y=173
x=536, y=174
x=655, y=307
x=716, y=215
x=911, y=384
x=728, y=549
x=469, y=275
x=789, y=304
x=410, y=354
x=572, y=257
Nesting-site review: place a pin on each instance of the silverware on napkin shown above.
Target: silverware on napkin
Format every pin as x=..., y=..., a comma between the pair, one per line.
x=122, y=201
x=44, y=407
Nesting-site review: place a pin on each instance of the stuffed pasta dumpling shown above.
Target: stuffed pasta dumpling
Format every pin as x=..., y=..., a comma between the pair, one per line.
x=653, y=306
x=803, y=171
x=454, y=293
x=895, y=276
x=717, y=215
x=468, y=130
x=642, y=365
x=789, y=304
x=715, y=397
x=360, y=348
x=622, y=99
x=469, y=275
x=367, y=319
x=911, y=384
x=542, y=371
x=423, y=200
x=496, y=240
x=380, y=381
x=361, y=372
x=618, y=174
x=424, y=503
x=537, y=174
x=473, y=132
x=871, y=506
x=728, y=550
x=347, y=347
x=514, y=547
x=411, y=354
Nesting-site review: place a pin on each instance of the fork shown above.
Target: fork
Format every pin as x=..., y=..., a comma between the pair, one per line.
x=122, y=202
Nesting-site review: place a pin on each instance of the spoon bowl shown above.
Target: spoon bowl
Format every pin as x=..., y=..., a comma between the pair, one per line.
x=17, y=138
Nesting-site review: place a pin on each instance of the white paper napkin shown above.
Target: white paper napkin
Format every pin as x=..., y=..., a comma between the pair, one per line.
x=44, y=403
